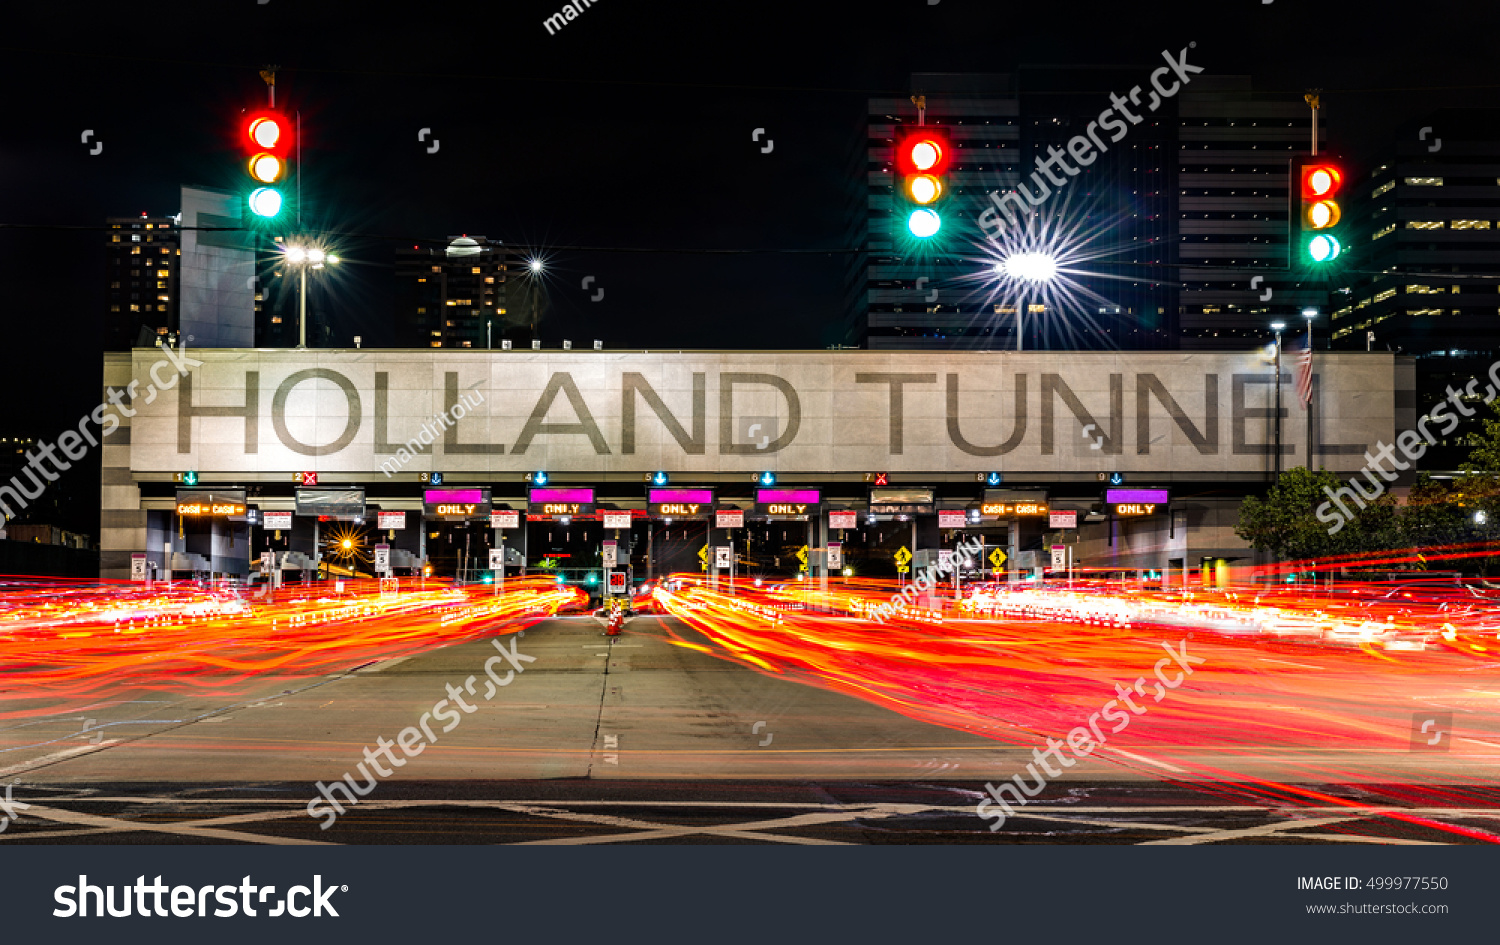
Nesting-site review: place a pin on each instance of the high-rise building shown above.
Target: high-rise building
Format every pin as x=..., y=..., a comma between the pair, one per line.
x=142, y=261
x=189, y=274
x=455, y=296
x=904, y=294
x=1424, y=276
x=1167, y=225
x=1234, y=151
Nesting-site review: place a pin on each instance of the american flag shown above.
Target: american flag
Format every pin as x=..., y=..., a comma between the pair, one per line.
x=1304, y=373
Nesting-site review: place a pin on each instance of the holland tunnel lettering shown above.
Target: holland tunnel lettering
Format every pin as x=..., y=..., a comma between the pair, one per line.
x=813, y=412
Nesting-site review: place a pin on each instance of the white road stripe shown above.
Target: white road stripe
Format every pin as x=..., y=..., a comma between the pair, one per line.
x=55, y=756
x=1144, y=760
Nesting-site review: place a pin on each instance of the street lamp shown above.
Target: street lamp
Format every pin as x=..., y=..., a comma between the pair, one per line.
x=1278, y=327
x=1035, y=268
x=303, y=257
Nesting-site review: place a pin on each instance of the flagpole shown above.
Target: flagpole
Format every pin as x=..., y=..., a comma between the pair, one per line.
x=1307, y=404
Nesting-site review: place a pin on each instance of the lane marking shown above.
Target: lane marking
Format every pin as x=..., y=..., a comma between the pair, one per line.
x=56, y=756
x=382, y=666
x=1144, y=760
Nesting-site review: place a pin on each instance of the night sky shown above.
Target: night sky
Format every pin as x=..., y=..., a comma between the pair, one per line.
x=630, y=129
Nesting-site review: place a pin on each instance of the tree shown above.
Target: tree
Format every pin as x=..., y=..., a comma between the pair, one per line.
x=1285, y=522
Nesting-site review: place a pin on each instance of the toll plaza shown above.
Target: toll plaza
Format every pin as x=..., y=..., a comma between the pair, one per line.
x=770, y=464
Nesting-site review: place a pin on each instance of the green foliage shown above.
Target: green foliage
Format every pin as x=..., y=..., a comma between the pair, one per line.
x=1285, y=522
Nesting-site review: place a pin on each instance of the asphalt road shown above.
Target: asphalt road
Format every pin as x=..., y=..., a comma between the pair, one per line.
x=641, y=739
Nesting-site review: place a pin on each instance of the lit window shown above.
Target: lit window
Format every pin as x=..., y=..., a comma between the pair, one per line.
x=1424, y=311
x=1424, y=224
x=134, y=307
x=1425, y=181
x=163, y=273
x=468, y=344
x=499, y=311
x=1382, y=296
x=135, y=250
x=1387, y=186
x=276, y=319
x=1036, y=309
x=422, y=311
x=451, y=302
x=437, y=344
x=1421, y=290
x=115, y=238
x=163, y=298
x=1470, y=224
x=475, y=270
x=114, y=285
x=114, y=308
x=1385, y=232
x=422, y=280
x=437, y=334
x=489, y=279
x=437, y=268
x=135, y=237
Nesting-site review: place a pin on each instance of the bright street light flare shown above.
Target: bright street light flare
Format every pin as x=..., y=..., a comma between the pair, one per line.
x=1029, y=267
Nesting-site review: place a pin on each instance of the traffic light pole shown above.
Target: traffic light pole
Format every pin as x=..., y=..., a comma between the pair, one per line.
x=1278, y=407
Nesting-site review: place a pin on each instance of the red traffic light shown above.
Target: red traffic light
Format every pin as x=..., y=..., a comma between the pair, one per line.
x=1321, y=181
x=267, y=131
x=924, y=151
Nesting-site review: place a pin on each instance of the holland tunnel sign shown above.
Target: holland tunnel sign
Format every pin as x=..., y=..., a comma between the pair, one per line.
x=412, y=411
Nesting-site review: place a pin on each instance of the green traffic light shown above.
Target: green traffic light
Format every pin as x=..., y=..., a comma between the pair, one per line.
x=924, y=223
x=265, y=201
x=1323, y=248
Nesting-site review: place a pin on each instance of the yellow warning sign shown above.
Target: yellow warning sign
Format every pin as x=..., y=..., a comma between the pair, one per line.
x=903, y=557
x=802, y=556
x=997, y=557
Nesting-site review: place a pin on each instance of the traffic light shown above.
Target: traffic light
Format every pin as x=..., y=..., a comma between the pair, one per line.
x=266, y=142
x=1317, y=192
x=923, y=156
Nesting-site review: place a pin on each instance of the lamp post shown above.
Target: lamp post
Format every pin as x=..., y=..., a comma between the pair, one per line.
x=1277, y=327
x=1035, y=268
x=302, y=258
